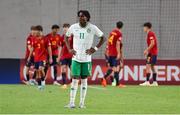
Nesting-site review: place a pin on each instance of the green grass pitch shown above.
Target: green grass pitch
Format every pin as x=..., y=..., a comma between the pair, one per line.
x=16, y=99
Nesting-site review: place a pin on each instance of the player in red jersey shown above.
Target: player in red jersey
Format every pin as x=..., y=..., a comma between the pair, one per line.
x=151, y=52
x=54, y=39
x=114, y=54
x=40, y=46
x=65, y=55
x=31, y=61
x=106, y=55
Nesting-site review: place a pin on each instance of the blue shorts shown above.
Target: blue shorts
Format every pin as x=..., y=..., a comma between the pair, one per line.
x=66, y=62
x=112, y=61
x=39, y=64
x=30, y=62
x=151, y=59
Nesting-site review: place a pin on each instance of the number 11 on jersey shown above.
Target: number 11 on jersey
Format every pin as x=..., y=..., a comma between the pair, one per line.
x=81, y=35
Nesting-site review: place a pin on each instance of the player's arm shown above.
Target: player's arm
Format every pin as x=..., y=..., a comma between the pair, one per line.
x=92, y=50
x=100, y=34
x=49, y=51
x=59, y=52
x=118, y=43
x=50, y=54
x=101, y=42
x=30, y=48
x=69, y=34
x=30, y=53
x=68, y=46
x=122, y=54
x=150, y=46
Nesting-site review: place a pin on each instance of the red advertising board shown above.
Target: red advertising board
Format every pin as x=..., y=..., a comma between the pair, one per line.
x=132, y=73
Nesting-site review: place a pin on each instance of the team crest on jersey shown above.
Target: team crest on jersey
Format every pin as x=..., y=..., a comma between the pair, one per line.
x=88, y=30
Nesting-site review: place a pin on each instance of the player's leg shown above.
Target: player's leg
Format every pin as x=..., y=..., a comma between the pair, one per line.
x=148, y=71
x=33, y=79
x=108, y=72
x=42, y=74
x=27, y=73
x=114, y=64
x=38, y=77
x=148, y=74
x=153, y=62
x=27, y=67
x=118, y=69
x=76, y=72
x=54, y=69
x=64, y=63
x=83, y=91
x=26, y=70
x=109, y=64
x=86, y=70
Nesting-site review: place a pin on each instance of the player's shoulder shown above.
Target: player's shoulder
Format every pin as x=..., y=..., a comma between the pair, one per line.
x=92, y=25
x=74, y=25
x=59, y=35
x=115, y=32
x=150, y=33
x=48, y=35
x=29, y=37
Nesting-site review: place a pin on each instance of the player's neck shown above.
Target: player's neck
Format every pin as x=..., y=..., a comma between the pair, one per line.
x=118, y=29
x=148, y=30
x=83, y=25
x=53, y=33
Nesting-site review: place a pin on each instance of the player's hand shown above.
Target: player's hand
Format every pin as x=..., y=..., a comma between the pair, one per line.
x=28, y=59
x=118, y=56
x=90, y=51
x=50, y=60
x=145, y=52
x=58, y=59
x=72, y=51
x=121, y=64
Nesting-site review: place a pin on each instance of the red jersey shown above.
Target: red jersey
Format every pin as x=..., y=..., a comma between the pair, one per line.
x=151, y=36
x=28, y=42
x=114, y=36
x=65, y=52
x=40, y=46
x=54, y=40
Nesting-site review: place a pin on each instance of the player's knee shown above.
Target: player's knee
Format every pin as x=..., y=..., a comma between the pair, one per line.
x=64, y=68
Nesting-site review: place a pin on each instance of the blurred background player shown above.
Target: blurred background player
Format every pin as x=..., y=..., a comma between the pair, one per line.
x=40, y=46
x=83, y=34
x=54, y=38
x=31, y=60
x=120, y=64
x=65, y=57
x=106, y=54
x=114, y=54
x=151, y=52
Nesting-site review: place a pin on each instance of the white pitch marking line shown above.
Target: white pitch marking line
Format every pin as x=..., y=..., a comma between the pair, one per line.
x=99, y=88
